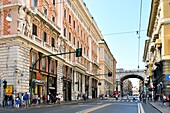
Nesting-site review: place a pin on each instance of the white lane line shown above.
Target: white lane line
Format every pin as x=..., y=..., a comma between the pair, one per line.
x=140, y=108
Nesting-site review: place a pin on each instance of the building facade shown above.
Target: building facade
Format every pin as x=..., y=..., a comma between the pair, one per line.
x=157, y=48
x=38, y=40
x=107, y=64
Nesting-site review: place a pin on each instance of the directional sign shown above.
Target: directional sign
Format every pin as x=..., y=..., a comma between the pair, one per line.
x=168, y=77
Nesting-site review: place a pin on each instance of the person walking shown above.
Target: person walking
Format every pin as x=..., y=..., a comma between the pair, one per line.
x=57, y=99
x=26, y=98
x=17, y=101
x=78, y=95
x=169, y=99
x=162, y=100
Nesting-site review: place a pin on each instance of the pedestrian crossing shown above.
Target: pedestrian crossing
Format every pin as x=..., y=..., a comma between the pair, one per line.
x=120, y=100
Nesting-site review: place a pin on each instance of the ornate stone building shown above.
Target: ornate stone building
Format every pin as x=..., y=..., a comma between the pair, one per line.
x=157, y=48
x=33, y=32
x=107, y=64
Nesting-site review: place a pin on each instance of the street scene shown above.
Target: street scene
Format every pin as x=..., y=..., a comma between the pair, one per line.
x=84, y=56
x=110, y=105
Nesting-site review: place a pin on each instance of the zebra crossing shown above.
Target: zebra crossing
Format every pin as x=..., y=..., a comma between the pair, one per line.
x=119, y=100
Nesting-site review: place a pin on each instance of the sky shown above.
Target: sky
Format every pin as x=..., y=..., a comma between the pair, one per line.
x=118, y=21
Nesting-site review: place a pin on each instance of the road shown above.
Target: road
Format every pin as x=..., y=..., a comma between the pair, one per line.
x=97, y=106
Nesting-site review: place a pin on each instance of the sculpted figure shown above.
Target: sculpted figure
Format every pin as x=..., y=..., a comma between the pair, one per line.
x=21, y=19
x=28, y=25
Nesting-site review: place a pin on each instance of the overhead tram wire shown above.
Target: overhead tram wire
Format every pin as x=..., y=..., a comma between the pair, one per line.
x=139, y=32
x=121, y=33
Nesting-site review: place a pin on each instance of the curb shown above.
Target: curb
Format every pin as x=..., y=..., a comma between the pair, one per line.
x=62, y=103
x=156, y=108
x=51, y=105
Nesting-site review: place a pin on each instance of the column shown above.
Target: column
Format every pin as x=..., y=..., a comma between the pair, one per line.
x=90, y=87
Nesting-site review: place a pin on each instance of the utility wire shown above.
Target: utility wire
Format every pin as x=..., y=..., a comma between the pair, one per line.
x=126, y=32
x=139, y=32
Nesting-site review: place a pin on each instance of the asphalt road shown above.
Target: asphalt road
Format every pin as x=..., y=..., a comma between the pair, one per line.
x=96, y=106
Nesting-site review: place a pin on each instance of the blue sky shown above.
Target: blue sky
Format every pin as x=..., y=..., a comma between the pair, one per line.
x=119, y=16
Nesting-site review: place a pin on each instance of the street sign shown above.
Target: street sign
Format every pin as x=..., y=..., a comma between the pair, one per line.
x=168, y=77
x=9, y=90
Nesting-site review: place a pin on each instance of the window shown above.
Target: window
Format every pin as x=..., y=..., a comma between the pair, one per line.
x=84, y=50
x=34, y=29
x=69, y=56
x=65, y=15
x=81, y=33
x=78, y=44
x=74, y=41
x=84, y=37
x=52, y=42
x=78, y=29
x=44, y=36
x=34, y=57
x=70, y=19
x=87, y=52
x=35, y=3
x=74, y=24
x=53, y=18
x=44, y=64
x=45, y=11
x=52, y=66
x=65, y=32
x=53, y=2
x=69, y=36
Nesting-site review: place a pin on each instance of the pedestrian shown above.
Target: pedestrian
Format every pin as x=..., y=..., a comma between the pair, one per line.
x=169, y=99
x=57, y=99
x=140, y=97
x=17, y=101
x=162, y=100
x=148, y=96
x=78, y=95
x=44, y=99
x=26, y=98
x=84, y=97
x=36, y=99
x=144, y=98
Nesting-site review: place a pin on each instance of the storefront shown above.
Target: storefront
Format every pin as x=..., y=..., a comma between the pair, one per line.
x=39, y=86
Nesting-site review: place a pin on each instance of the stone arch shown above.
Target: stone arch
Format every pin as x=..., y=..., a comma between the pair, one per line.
x=129, y=76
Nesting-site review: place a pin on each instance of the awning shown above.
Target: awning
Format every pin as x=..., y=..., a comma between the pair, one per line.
x=51, y=87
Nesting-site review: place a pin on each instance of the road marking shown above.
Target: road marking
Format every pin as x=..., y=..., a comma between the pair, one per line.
x=140, y=108
x=96, y=108
x=93, y=109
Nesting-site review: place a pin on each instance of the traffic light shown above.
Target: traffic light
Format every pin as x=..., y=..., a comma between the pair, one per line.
x=79, y=52
x=109, y=74
x=5, y=84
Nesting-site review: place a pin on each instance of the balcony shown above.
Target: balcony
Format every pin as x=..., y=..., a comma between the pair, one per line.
x=36, y=11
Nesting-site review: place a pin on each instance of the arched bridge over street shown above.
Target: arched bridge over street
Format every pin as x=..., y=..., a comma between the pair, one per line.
x=122, y=75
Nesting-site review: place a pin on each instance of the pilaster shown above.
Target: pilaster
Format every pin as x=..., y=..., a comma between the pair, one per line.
x=59, y=80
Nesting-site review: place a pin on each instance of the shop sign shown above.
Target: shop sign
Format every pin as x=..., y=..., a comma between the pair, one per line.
x=168, y=77
x=38, y=81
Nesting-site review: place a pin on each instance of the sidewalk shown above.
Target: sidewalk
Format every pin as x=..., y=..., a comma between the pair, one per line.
x=164, y=109
x=50, y=105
